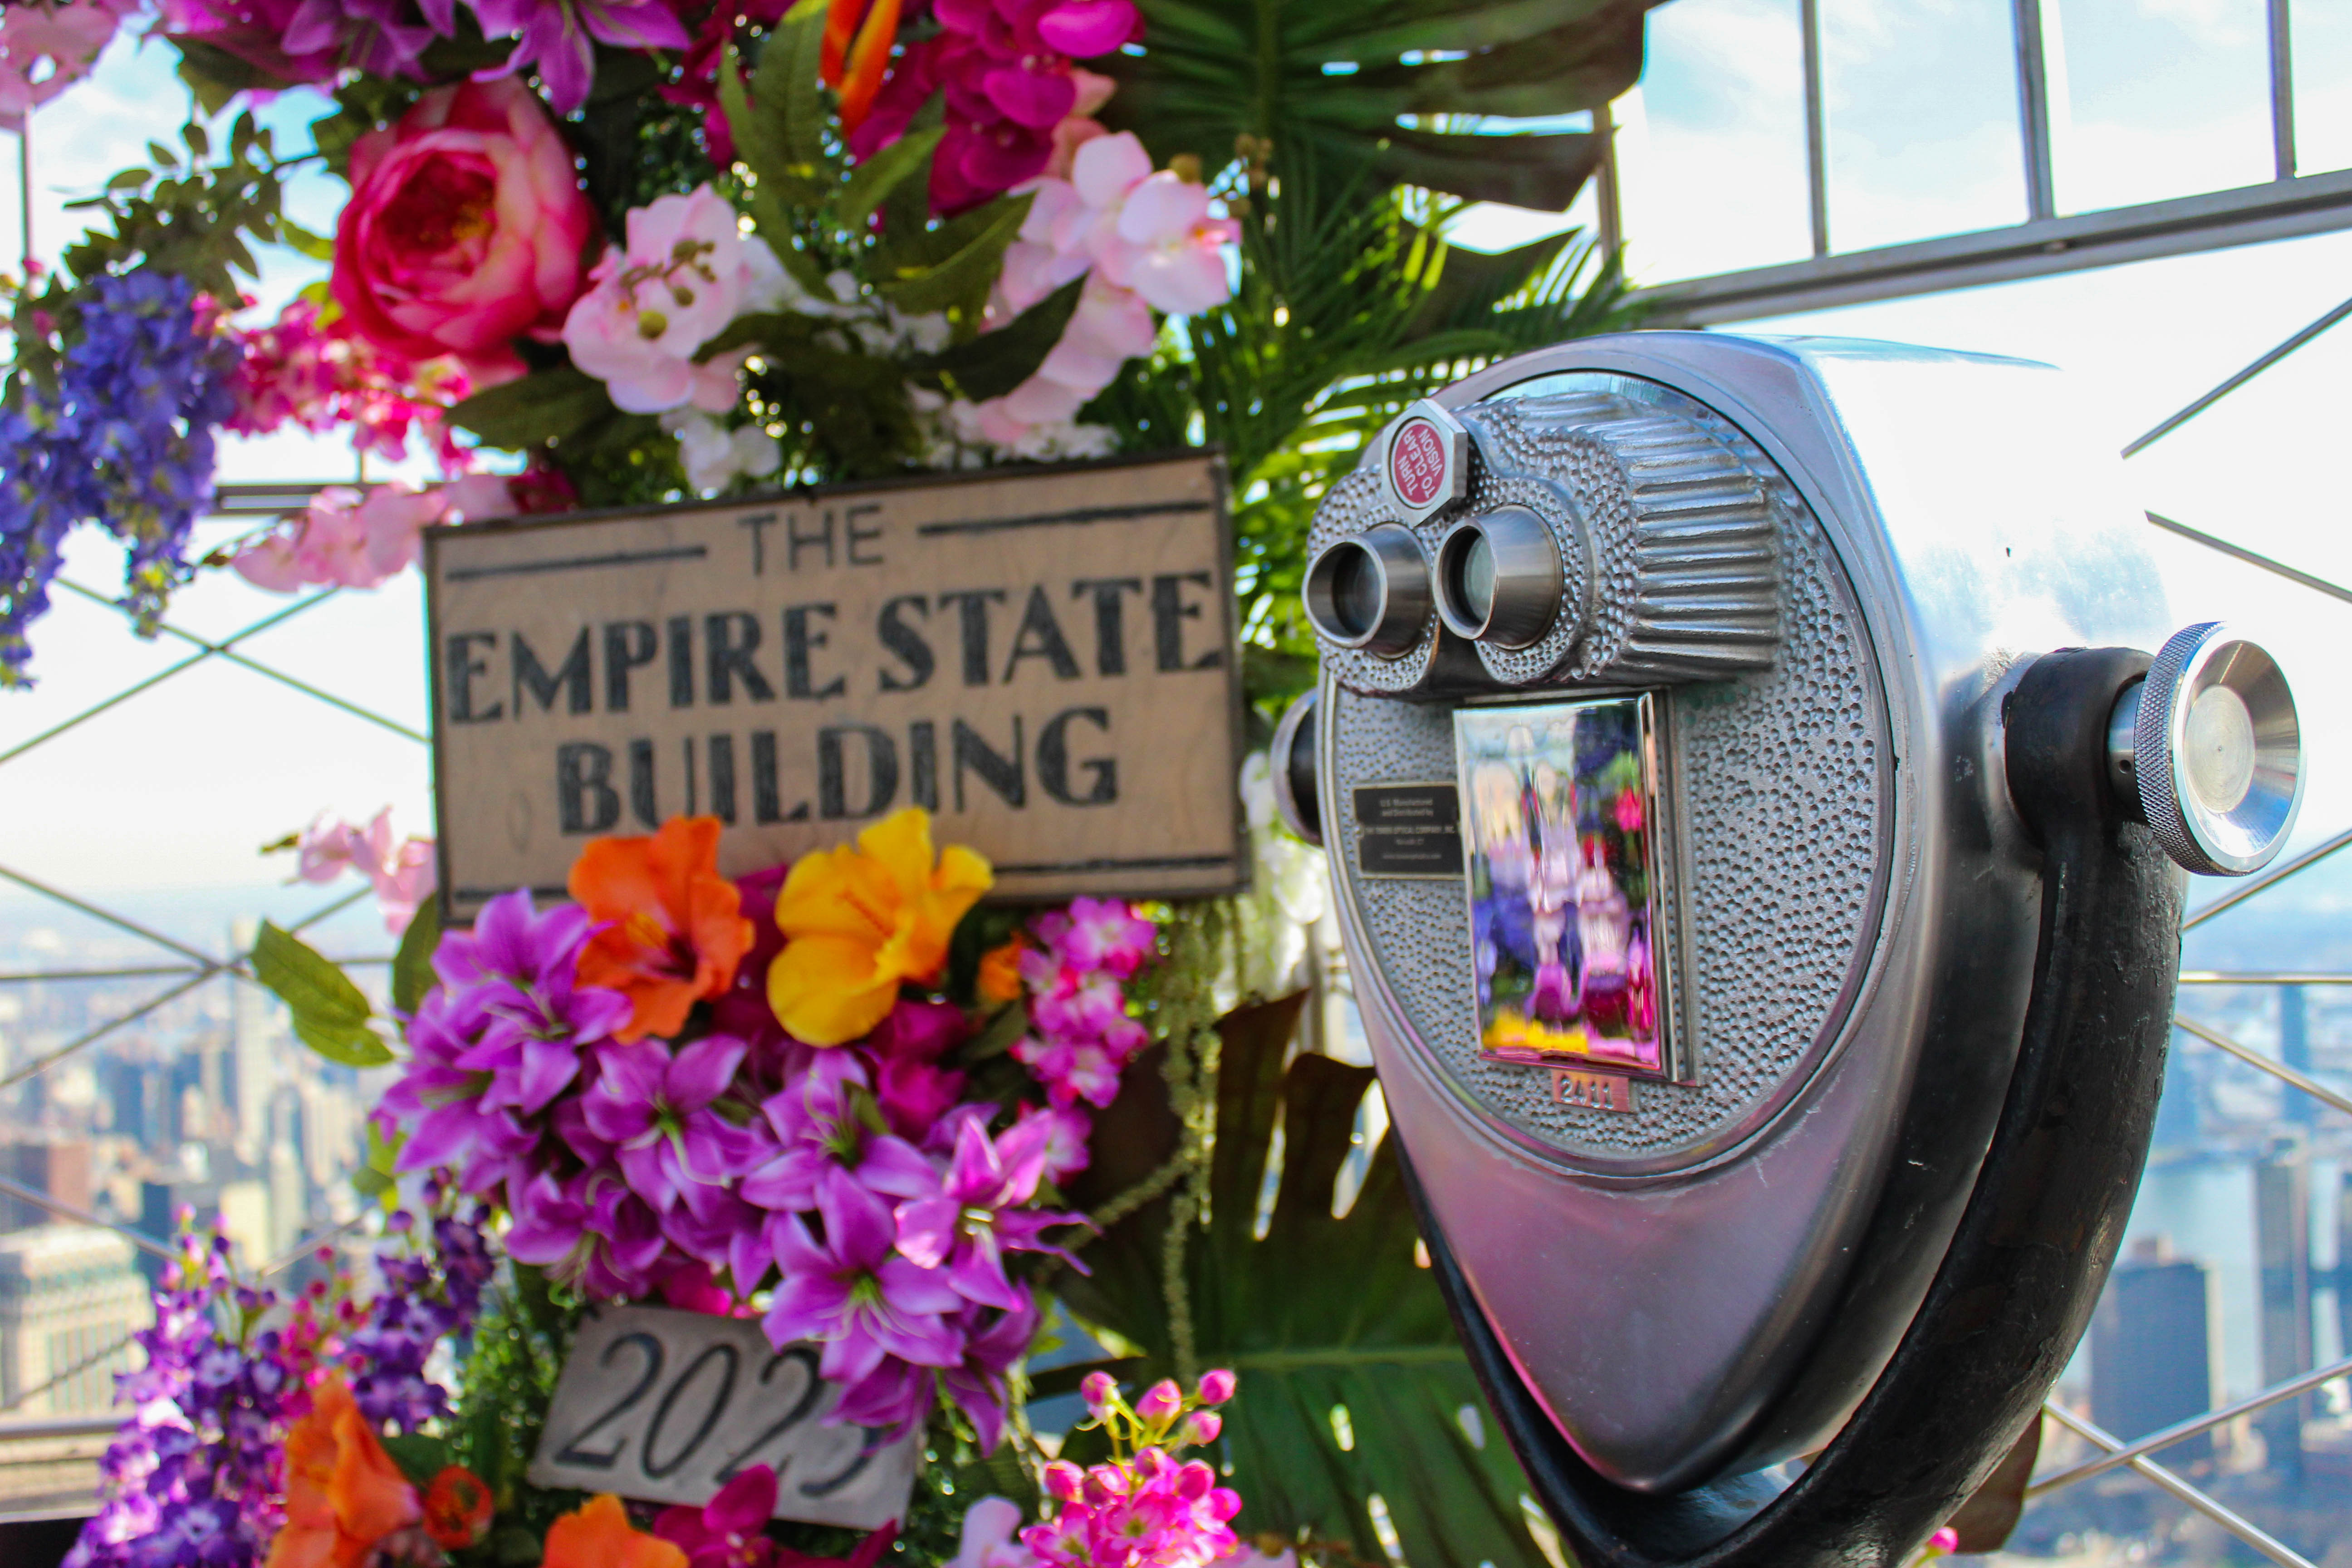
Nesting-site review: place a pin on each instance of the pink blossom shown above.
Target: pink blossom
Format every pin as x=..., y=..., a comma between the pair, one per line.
x=988, y=1538
x=403, y=873
x=1170, y=251
x=686, y=272
x=67, y=39
x=344, y=540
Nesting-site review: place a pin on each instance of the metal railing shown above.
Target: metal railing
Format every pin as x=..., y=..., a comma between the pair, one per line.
x=2046, y=242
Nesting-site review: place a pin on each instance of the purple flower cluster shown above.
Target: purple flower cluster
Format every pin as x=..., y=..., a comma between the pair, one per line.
x=1081, y=1037
x=124, y=440
x=314, y=40
x=195, y=1475
x=428, y=1297
x=883, y=1209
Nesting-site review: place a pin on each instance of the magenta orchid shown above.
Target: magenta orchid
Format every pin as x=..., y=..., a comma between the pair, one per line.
x=559, y=36
x=826, y=1121
x=977, y=1215
x=854, y=1294
x=657, y=1109
x=595, y=1233
x=727, y=1532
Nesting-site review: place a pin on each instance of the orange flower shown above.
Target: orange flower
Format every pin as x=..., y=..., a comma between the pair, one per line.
x=457, y=1508
x=868, y=59
x=343, y=1493
x=999, y=971
x=597, y=1534
x=678, y=930
x=859, y=922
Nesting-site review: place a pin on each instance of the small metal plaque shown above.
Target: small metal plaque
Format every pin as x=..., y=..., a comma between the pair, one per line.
x=1409, y=830
x=669, y=1406
x=1566, y=912
x=1426, y=460
x=1593, y=1091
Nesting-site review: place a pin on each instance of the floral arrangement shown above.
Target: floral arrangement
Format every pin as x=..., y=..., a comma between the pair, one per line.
x=840, y=1097
x=890, y=244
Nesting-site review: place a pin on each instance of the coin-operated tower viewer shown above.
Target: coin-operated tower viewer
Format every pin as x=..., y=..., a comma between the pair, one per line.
x=1759, y=778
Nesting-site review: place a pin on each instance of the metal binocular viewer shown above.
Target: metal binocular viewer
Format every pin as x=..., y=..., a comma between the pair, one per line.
x=1759, y=778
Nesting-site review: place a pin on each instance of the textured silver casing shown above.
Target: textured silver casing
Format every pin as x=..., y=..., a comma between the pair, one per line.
x=1707, y=1285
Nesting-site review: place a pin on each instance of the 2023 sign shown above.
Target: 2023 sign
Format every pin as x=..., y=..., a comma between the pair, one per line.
x=670, y=1406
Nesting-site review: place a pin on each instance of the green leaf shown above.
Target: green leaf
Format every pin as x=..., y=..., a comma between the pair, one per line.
x=871, y=184
x=1351, y=1382
x=963, y=278
x=419, y=1456
x=546, y=405
x=352, y=1045
x=773, y=331
x=216, y=76
x=996, y=363
x=412, y=965
x=791, y=78
x=330, y=1014
x=317, y=247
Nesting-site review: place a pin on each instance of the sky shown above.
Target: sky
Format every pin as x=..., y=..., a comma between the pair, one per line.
x=177, y=788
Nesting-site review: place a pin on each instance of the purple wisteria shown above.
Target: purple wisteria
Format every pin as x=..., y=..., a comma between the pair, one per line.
x=124, y=440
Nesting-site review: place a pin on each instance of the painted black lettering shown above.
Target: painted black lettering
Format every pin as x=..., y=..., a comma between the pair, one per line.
x=795, y=540
x=923, y=762
x=627, y=645
x=686, y=750
x=681, y=661
x=1054, y=760
x=972, y=604
x=641, y=784
x=732, y=645
x=832, y=780
x=722, y=778
x=583, y=787
x=1110, y=625
x=906, y=642
x=1040, y=636
x=857, y=536
x=1169, y=614
x=799, y=641
x=459, y=666
x=759, y=523
x=573, y=679
x=1005, y=774
x=571, y=1453
x=767, y=804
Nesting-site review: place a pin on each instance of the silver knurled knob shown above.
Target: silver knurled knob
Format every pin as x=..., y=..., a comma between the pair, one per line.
x=2209, y=748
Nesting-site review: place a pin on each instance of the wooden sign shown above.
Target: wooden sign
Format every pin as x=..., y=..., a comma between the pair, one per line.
x=1046, y=659
x=669, y=1406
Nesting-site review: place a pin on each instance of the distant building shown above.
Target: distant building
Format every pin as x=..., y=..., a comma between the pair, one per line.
x=70, y=1298
x=60, y=1168
x=2152, y=1343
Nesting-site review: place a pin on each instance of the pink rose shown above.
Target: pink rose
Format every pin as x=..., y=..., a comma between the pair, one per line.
x=465, y=229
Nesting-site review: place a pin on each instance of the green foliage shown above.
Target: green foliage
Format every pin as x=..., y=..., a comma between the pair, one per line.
x=503, y=1389
x=412, y=964
x=181, y=214
x=1335, y=80
x=1351, y=303
x=1352, y=1383
x=330, y=1014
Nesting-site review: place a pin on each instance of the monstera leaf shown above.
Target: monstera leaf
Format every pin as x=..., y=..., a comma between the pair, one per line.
x=1340, y=76
x=1358, y=1415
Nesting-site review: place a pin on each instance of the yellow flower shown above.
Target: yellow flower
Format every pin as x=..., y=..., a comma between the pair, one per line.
x=860, y=920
